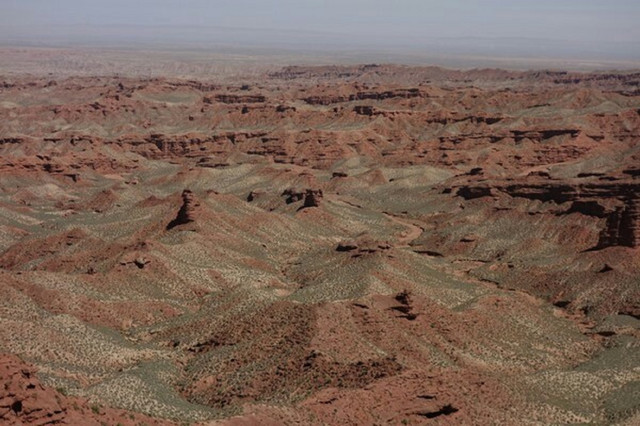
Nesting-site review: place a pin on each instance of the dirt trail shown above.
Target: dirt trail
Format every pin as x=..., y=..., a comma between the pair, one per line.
x=408, y=235
x=403, y=239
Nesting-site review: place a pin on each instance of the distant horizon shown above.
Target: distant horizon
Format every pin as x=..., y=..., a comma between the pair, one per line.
x=572, y=30
x=223, y=62
x=452, y=52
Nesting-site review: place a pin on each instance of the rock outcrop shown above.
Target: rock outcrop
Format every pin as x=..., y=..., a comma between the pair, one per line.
x=623, y=226
x=25, y=401
x=362, y=245
x=188, y=210
x=312, y=198
x=293, y=195
x=228, y=98
x=617, y=202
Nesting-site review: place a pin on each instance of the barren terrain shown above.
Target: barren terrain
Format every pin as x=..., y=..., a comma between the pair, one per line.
x=371, y=244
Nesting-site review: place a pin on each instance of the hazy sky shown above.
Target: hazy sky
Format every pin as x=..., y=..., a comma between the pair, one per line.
x=597, y=24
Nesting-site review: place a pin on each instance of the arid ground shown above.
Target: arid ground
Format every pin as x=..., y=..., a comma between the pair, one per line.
x=340, y=245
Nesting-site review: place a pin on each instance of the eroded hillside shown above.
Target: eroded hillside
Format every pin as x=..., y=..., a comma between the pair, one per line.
x=338, y=245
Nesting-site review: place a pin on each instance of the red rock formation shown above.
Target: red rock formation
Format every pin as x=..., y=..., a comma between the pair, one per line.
x=504, y=180
x=312, y=198
x=362, y=245
x=188, y=210
x=623, y=226
x=25, y=401
x=616, y=202
x=239, y=99
x=367, y=110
